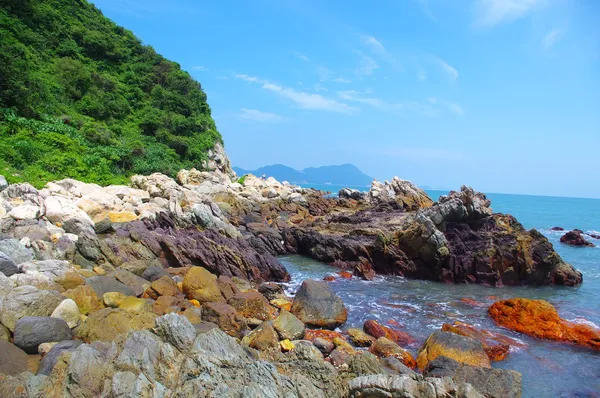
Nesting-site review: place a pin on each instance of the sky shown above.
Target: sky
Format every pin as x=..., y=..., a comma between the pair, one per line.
x=502, y=95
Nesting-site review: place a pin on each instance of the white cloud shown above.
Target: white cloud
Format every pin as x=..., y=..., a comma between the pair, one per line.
x=455, y=108
x=301, y=99
x=551, y=38
x=374, y=44
x=259, y=116
x=341, y=80
x=494, y=12
x=413, y=106
x=200, y=68
x=366, y=65
x=352, y=95
x=301, y=56
x=447, y=68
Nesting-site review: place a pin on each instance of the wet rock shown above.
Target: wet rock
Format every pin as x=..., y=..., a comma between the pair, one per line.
x=252, y=305
x=86, y=298
x=201, y=285
x=25, y=301
x=575, y=238
x=31, y=331
x=317, y=305
x=409, y=386
x=364, y=269
x=384, y=348
x=7, y=266
x=493, y=383
x=262, y=338
x=360, y=338
x=223, y=315
x=105, y=284
x=68, y=311
x=538, y=318
x=13, y=360
x=495, y=345
x=459, y=348
x=108, y=323
x=50, y=359
x=288, y=326
x=377, y=330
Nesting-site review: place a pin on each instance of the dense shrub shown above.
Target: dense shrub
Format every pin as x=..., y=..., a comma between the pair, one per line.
x=116, y=107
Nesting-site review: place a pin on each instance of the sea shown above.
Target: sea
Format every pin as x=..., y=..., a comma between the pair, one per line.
x=549, y=368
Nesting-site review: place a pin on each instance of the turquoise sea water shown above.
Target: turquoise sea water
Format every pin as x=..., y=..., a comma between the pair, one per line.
x=550, y=369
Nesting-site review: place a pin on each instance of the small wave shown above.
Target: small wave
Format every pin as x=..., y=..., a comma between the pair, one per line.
x=583, y=321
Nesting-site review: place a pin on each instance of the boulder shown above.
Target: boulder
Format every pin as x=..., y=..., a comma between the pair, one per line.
x=252, y=305
x=176, y=330
x=492, y=383
x=13, y=360
x=360, y=338
x=262, y=338
x=105, y=284
x=7, y=266
x=538, y=318
x=271, y=291
x=317, y=305
x=86, y=298
x=385, y=348
x=201, y=285
x=6, y=285
x=16, y=251
x=25, y=301
x=70, y=280
x=288, y=326
x=223, y=315
x=50, y=359
x=395, y=366
x=375, y=329
x=153, y=273
x=68, y=311
x=113, y=299
x=364, y=363
x=495, y=345
x=164, y=286
x=409, y=386
x=137, y=305
x=136, y=283
x=31, y=331
x=106, y=324
x=227, y=286
x=575, y=238
x=459, y=348
x=323, y=345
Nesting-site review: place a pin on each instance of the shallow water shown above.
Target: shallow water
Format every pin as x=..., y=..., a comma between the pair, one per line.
x=550, y=369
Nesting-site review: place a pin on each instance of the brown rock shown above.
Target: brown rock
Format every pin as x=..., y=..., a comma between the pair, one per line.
x=201, y=285
x=317, y=305
x=262, y=338
x=86, y=299
x=223, y=315
x=252, y=305
x=70, y=280
x=108, y=323
x=13, y=360
x=459, y=348
x=138, y=284
x=227, y=286
x=164, y=286
x=384, y=347
x=377, y=330
x=360, y=338
x=193, y=314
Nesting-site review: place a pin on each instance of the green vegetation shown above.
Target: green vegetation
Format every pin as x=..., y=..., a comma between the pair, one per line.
x=242, y=179
x=82, y=97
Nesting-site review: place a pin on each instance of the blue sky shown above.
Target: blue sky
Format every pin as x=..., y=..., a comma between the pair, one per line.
x=503, y=95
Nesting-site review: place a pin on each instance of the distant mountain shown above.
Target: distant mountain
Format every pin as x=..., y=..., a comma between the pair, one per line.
x=345, y=174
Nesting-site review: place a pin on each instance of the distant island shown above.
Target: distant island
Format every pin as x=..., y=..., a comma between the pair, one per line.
x=345, y=174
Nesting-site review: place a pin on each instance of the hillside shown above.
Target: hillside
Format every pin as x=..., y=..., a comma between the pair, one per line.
x=346, y=174
x=82, y=97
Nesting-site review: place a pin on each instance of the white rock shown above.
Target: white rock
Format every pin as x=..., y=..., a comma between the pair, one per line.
x=25, y=212
x=68, y=311
x=60, y=209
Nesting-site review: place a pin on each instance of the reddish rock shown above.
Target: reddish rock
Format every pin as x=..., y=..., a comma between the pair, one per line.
x=472, y=302
x=575, y=238
x=385, y=348
x=329, y=278
x=495, y=345
x=252, y=305
x=164, y=286
x=329, y=335
x=345, y=274
x=227, y=286
x=364, y=269
x=377, y=330
x=538, y=318
x=223, y=315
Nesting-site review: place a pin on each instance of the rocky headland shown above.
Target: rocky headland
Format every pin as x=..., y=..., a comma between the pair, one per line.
x=169, y=288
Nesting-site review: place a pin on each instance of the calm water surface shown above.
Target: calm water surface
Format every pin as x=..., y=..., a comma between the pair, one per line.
x=550, y=369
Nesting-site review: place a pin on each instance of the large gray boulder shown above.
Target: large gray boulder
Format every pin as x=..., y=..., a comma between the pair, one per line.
x=7, y=266
x=317, y=305
x=31, y=331
x=13, y=360
x=49, y=360
x=176, y=330
x=25, y=301
x=493, y=383
x=16, y=251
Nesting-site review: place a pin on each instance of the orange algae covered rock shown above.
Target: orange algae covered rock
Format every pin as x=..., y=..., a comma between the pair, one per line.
x=377, y=330
x=538, y=318
x=329, y=335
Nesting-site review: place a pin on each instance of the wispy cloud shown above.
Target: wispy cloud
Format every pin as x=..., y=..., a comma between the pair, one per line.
x=323, y=73
x=413, y=106
x=366, y=65
x=374, y=44
x=300, y=56
x=341, y=80
x=493, y=12
x=201, y=68
x=551, y=38
x=301, y=99
x=377, y=48
x=259, y=116
x=455, y=108
x=448, y=69
x=426, y=9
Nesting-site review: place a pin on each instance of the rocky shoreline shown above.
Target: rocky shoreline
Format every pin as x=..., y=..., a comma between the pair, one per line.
x=167, y=288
